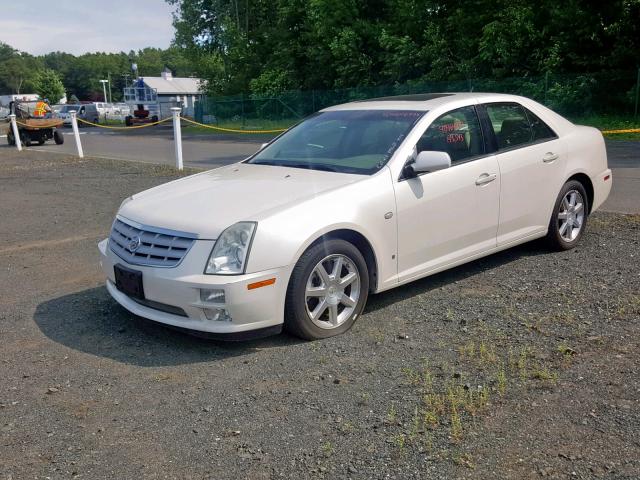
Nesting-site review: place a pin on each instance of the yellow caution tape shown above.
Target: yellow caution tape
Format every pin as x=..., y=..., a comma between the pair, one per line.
x=628, y=130
x=124, y=128
x=233, y=130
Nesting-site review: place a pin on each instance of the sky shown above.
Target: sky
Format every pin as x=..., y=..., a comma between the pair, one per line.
x=81, y=26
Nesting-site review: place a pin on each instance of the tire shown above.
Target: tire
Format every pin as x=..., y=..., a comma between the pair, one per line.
x=333, y=317
x=154, y=119
x=41, y=140
x=58, y=137
x=25, y=139
x=127, y=121
x=571, y=209
x=10, y=140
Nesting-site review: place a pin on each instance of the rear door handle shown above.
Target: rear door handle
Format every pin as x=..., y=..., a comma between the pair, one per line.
x=486, y=178
x=550, y=157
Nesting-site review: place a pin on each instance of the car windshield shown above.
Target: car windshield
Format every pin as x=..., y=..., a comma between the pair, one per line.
x=70, y=108
x=346, y=141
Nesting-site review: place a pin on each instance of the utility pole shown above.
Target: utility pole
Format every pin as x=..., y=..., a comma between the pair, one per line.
x=635, y=113
x=109, y=78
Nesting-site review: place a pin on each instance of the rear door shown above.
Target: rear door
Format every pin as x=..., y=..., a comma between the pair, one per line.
x=532, y=160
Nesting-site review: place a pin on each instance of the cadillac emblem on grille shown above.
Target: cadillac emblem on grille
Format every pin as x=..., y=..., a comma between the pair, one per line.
x=134, y=244
x=139, y=246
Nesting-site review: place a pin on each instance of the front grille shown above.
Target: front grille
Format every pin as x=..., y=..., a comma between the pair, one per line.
x=138, y=246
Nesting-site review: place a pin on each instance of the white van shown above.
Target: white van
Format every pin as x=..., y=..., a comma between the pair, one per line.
x=85, y=111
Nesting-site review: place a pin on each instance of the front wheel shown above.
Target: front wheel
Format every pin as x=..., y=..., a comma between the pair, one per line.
x=58, y=138
x=10, y=139
x=569, y=217
x=327, y=290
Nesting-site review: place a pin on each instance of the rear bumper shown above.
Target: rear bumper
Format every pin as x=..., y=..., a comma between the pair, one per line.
x=254, y=312
x=602, y=184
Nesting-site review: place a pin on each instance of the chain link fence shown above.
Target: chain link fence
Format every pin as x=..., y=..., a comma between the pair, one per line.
x=605, y=93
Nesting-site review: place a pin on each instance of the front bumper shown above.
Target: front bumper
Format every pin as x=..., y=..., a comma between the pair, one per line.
x=260, y=310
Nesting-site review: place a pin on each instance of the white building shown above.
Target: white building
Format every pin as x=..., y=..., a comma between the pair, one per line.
x=170, y=92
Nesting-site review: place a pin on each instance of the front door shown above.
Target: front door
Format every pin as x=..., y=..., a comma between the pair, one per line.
x=450, y=215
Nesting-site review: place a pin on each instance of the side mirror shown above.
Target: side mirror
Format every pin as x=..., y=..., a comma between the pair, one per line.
x=428, y=161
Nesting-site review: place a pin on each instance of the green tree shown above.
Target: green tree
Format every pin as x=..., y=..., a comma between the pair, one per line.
x=49, y=86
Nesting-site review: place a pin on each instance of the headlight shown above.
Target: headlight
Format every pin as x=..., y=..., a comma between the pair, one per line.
x=229, y=254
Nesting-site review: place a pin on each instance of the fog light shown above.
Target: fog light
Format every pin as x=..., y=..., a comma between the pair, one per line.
x=217, y=314
x=212, y=295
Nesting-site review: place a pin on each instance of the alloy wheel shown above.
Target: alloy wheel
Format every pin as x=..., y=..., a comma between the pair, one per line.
x=571, y=216
x=332, y=291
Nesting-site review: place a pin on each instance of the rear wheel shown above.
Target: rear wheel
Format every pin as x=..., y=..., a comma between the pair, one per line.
x=58, y=137
x=327, y=291
x=25, y=139
x=569, y=217
x=10, y=138
x=127, y=121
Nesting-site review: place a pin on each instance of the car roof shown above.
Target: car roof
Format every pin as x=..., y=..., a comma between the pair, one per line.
x=421, y=102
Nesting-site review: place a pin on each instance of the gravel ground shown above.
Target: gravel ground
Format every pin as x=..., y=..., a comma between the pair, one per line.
x=522, y=365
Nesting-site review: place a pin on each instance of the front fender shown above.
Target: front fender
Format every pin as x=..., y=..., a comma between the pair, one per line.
x=282, y=238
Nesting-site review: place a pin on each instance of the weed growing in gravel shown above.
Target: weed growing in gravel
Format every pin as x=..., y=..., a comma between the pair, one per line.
x=501, y=380
x=521, y=364
x=456, y=425
x=364, y=399
x=544, y=374
x=464, y=460
x=392, y=414
x=400, y=442
x=328, y=449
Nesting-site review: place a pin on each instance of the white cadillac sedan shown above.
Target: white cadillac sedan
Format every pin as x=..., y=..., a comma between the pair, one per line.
x=357, y=199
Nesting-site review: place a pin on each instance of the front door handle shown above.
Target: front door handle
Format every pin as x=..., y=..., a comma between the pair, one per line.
x=550, y=157
x=486, y=178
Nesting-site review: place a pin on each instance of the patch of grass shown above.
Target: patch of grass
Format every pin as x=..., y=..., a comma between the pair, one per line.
x=457, y=393
x=417, y=377
x=611, y=122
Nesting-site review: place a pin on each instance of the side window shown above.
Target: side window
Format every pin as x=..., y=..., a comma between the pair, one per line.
x=541, y=131
x=456, y=132
x=510, y=124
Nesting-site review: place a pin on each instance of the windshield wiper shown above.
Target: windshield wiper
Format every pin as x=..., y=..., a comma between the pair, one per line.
x=308, y=166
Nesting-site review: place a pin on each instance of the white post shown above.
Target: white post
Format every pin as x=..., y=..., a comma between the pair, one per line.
x=177, y=136
x=16, y=135
x=76, y=133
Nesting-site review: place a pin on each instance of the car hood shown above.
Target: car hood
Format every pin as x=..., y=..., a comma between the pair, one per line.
x=207, y=203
